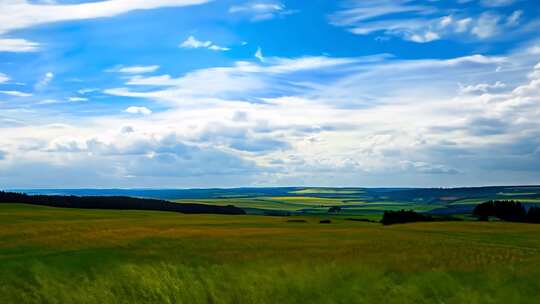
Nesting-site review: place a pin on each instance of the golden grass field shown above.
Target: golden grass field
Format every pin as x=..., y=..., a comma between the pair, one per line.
x=50, y=255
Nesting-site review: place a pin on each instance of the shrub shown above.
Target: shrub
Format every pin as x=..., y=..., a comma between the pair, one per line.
x=403, y=216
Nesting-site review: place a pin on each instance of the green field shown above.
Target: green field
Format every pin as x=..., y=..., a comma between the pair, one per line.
x=50, y=255
x=327, y=191
x=311, y=205
x=363, y=202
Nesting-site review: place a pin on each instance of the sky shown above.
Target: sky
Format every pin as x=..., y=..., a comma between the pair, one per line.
x=230, y=93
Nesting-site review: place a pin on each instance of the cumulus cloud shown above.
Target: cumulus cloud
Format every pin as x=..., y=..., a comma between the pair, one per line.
x=138, y=110
x=364, y=145
x=127, y=129
x=481, y=88
x=193, y=43
x=274, y=123
x=129, y=159
x=241, y=139
x=486, y=26
x=424, y=37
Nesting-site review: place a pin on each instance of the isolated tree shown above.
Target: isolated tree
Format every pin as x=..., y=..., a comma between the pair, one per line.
x=334, y=209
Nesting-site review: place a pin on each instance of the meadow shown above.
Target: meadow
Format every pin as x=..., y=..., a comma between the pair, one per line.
x=368, y=203
x=53, y=255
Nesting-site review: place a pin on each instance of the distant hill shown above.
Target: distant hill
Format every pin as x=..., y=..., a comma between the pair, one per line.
x=114, y=202
x=352, y=201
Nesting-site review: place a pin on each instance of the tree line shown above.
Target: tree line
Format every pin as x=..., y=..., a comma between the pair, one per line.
x=507, y=210
x=115, y=202
x=404, y=216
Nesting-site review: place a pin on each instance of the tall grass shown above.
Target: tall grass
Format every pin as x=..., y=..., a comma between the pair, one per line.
x=161, y=282
x=75, y=256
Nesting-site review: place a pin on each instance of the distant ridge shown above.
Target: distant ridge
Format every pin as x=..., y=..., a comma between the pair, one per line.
x=115, y=202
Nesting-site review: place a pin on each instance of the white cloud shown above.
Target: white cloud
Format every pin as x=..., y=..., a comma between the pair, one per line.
x=3, y=78
x=16, y=93
x=515, y=18
x=259, y=11
x=315, y=120
x=193, y=43
x=446, y=21
x=44, y=81
x=138, y=110
x=49, y=101
x=462, y=25
x=86, y=91
x=497, y=3
x=136, y=69
x=422, y=23
x=425, y=37
x=486, y=26
x=18, y=45
x=218, y=48
x=77, y=99
x=238, y=80
x=534, y=50
x=481, y=88
x=18, y=14
x=259, y=55
x=427, y=168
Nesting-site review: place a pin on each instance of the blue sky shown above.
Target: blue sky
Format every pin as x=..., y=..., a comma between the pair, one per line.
x=197, y=93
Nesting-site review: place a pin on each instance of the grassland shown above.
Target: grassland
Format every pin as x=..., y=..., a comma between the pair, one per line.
x=362, y=202
x=50, y=255
x=327, y=191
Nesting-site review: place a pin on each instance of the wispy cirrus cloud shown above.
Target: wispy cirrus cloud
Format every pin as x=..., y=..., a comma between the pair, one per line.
x=422, y=23
x=16, y=93
x=259, y=54
x=497, y=3
x=259, y=11
x=18, y=45
x=136, y=69
x=20, y=14
x=421, y=117
x=44, y=81
x=416, y=125
x=237, y=81
x=193, y=43
x=307, y=111
x=3, y=78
